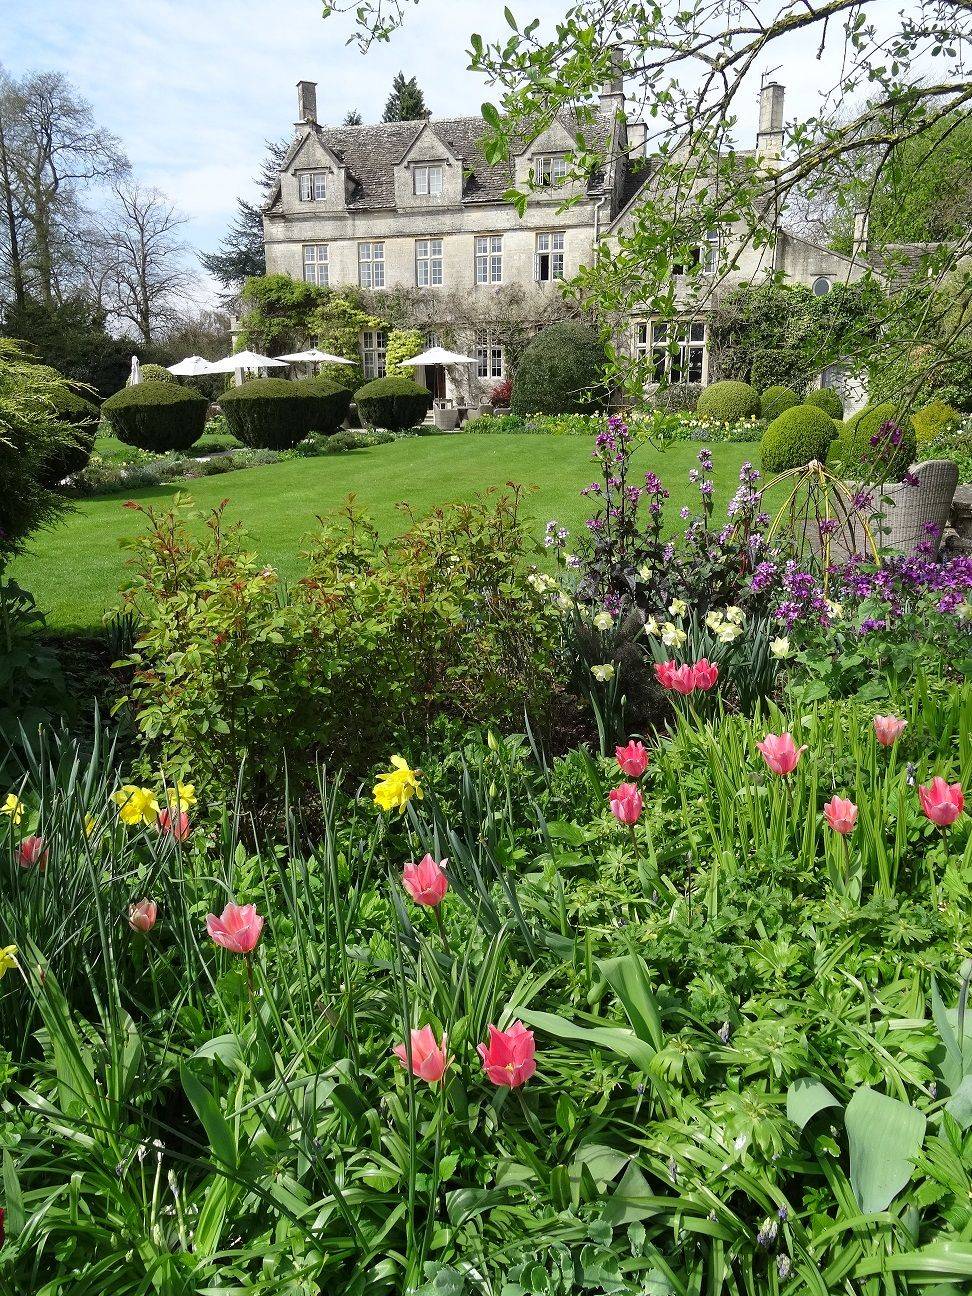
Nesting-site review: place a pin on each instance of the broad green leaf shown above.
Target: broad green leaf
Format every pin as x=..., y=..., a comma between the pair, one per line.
x=220, y=1136
x=615, y=1039
x=885, y=1137
x=628, y=978
x=959, y=1106
x=15, y=1217
x=805, y=1097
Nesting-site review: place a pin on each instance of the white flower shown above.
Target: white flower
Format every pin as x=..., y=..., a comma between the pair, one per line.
x=678, y=607
x=603, y=674
x=780, y=648
x=644, y=571
x=565, y=602
x=603, y=621
x=672, y=636
x=963, y=611
x=834, y=610
x=736, y=616
x=714, y=621
x=728, y=632
x=651, y=627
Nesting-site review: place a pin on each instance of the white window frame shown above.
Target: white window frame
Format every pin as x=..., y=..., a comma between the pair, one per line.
x=549, y=170
x=490, y=355
x=371, y=264
x=710, y=252
x=316, y=268
x=428, y=263
x=427, y=180
x=688, y=365
x=489, y=258
x=374, y=353
x=549, y=256
x=312, y=186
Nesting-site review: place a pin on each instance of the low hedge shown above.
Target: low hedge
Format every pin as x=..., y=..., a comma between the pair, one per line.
x=332, y=403
x=795, y=437
x=276, y=414
x=826, y=398
x=858, y=455
x=83, y=417
x=157, y=416
x=677, y=398
x=393, y=403
x=934, y=420
x=728, y=402
x=775, y=400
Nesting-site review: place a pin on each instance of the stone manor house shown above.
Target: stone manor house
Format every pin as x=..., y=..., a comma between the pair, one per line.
x=415, y=205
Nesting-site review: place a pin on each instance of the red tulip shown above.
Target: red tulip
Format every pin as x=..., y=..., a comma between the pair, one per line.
x=508, y=1058
x=142, y=916
x=426, y=881
x=626, y=803
x=706, y=674
x=780, y=753
x=175, y=825
x=841, y=814
x=632, y=759
x=682, y=680
x=941, y=802
x=888, y=729
x=238, y=930
x=32, y=851
x=429, y=1059
x=663, y=673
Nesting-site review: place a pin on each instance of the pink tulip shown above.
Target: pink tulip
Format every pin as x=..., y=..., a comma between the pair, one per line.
x=888, y=729
x=941, y=802
x=32, y=851
x=429, y=1059
x=841, y=814
x=706, y=674
x=626, y=803
x=780, y=753
x=426, y=881
x=238, y=930
x=174, y=825
x=663, y=673
x=632, y=759
x=682, y=680
x=142, y=916
x=508, y=1058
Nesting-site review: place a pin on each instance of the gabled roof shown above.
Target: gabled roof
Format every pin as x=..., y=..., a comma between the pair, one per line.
x=372, y=152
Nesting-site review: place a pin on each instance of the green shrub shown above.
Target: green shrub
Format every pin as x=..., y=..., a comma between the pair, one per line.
x=393, y=403
x=274, y=414
x=728, y=402
x=795, y=437
x=157, y=373
x=72, y=456
x=775, y=400
x=157, y=416
x=934, y=420
x=560, y=372
x=827, y=400
x=679, y=398
x=331, y=405
x=856, y=456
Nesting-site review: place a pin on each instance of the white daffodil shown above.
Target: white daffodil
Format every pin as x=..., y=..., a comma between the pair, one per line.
x=603, y=674
x=644, y=571
x=603, y=621
x=652, y=627
x=714, y=620
x=678, y=607
x=834, y=610
x=728, y=632
x=672, y=636
x=735, y=616
x=780, y=648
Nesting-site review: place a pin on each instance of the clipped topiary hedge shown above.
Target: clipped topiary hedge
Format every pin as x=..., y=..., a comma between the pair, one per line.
x=728, y=402
x=83, y=417
x=276, y=414
x=157, y=416
x=157, y=373
x=393, y=403
x=331, y=403
x=864, y=449
x=775, y=400
x=795, y=437
x=560, y=372
x=826, y=398
x=935, y=420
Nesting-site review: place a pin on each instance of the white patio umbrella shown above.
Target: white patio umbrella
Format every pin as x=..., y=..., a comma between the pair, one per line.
x=313, y=356
x=191, y=367
x=438, y=356
x=135, y=377
x=245, y=360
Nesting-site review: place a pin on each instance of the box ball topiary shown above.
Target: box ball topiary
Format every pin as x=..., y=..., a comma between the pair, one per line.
x=82, y=417
x=795, y=437
x=827, y=400
x=560, y=372
x=677, y=398
x=157, y=373
x=774, y=400
x=393, y=403
x=274, y=413
x=934, y=420
x=877, y=443
x=157, y=416
x=728, y=402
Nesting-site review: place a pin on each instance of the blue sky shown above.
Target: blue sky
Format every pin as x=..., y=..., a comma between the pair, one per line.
x=194, y=88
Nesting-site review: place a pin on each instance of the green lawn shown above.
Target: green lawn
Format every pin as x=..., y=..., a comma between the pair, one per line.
x=76, y=569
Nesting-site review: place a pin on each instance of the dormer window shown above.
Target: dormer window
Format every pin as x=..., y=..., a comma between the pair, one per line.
x=427, y=180
x=312, y=186
x=549, y=171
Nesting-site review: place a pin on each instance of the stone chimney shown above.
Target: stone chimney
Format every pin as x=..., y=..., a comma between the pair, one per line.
x=306, y=103
x=611, y=96
x=859, y=247
x=637, y=134
x=769, y=138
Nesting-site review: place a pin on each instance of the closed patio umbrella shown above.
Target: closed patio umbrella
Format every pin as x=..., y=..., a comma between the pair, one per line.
x=135, y=377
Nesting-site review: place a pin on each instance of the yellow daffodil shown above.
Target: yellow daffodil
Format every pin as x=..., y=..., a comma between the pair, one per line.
x=90, y=823
x=136, y=804
x=14, y=807
x=714, y=621
x=603, y=674
x=8, y=959
x=603, y=621
x=672, y=636
x=678, y=608
x=651, y=627
x=727, y=632
x=182, y=796
x=394, y=790
x=735, y=616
